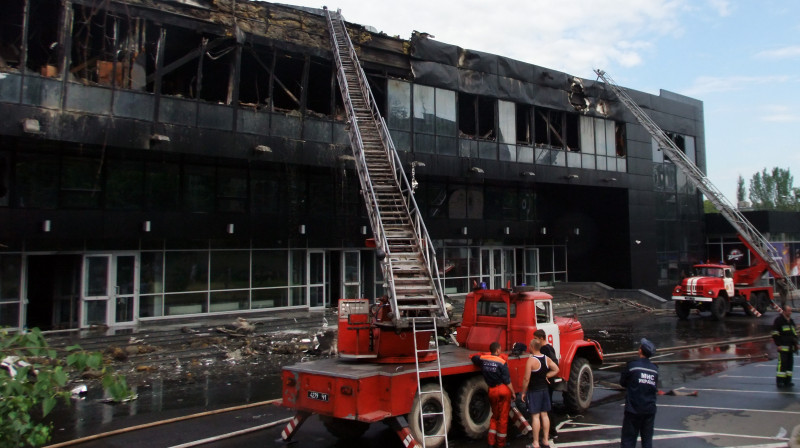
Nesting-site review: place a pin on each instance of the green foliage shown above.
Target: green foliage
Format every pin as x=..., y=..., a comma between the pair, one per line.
x=740, y=194
x=40, y=379
x=774, y=190
x=708, y=207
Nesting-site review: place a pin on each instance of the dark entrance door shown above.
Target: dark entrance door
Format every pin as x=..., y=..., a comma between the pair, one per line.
x=53, y=284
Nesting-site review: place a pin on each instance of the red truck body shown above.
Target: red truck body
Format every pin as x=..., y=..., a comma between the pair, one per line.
x=350, y=393
x=719, y=287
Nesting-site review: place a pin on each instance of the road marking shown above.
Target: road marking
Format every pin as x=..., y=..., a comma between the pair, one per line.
x=748, y=376
x=679, y=434
x=726, y=409
x=742, y=391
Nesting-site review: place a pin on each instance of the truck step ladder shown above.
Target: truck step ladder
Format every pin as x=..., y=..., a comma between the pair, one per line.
x=425, y=325
x=409, y=264
x=747, y=232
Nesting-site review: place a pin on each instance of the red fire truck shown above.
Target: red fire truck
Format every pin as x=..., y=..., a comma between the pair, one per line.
x=374, y=378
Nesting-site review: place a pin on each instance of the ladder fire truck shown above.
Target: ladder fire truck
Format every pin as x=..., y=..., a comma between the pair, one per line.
x=718, y=287
x=390, y=367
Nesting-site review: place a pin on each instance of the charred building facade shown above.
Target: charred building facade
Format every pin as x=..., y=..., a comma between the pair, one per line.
x=163, y=159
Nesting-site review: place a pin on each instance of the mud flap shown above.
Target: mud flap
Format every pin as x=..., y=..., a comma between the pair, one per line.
x=522, y=425
x=400, y=425
x=294, y=425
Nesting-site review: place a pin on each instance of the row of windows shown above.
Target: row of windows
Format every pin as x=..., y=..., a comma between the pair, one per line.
x=51, y=181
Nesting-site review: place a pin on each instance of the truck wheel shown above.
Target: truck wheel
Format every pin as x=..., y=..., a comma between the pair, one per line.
x=344, y=429
x=435, y=425
x=719, y=308
x=580, y=387
x=682, y=309
x=762, y=302
x=473, y=410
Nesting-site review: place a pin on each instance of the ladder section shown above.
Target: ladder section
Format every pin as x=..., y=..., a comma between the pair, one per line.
x=432, y=421
x=747, y=232
x=409, y=260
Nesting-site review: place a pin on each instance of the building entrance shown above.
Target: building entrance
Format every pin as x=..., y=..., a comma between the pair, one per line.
x=53, y=291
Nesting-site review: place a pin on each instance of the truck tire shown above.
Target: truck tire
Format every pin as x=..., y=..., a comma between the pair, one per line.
x=580, y=387
x=683, y=309
x=473, y=411
x=719, y=307
x=427, y=403
x=344, y=429
x=762, y=302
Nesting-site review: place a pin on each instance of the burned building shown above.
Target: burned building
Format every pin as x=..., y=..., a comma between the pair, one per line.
x=180, y=158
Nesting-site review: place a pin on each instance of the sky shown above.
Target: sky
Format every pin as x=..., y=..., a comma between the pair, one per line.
x=739, y=57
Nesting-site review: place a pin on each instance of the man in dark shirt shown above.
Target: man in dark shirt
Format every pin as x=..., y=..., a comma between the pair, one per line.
x=784, y=333
x=640, y=380
x=495, y=372
x=550, y=352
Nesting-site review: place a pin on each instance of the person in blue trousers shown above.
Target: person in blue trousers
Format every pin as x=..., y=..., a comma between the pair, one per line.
x=640, y=380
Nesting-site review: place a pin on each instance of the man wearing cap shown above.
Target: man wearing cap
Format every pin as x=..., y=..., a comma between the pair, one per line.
x=640, y=380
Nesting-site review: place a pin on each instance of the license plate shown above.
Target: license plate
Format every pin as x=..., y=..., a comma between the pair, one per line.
x=317, y=396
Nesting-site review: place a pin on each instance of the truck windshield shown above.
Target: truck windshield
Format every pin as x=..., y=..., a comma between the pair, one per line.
x=496, y=309
x=709, y=272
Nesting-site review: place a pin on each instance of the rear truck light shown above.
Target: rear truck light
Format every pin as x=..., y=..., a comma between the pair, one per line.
x=347, y=390
x=291, y=382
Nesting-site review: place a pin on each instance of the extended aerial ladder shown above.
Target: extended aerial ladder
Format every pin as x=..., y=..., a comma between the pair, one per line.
x=749, y=235
x=408, y=259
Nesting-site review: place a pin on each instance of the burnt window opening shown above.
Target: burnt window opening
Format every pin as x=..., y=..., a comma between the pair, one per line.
x=288, y=82
x=320, y=88
x=556, y=129
x=214, y=83
x=181, y=79
x=620, y=139
x=577, y=97
x=679, y=140
x=145, y=60
x=254, y=78
x=43, y=44
x=11, y=35
x=477, y=116
x=377, y=84
x=105, y=47
x=524, y=124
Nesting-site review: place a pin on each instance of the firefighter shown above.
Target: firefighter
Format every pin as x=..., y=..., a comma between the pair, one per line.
x=501, y=392
x=640, y=379
x=784, y=333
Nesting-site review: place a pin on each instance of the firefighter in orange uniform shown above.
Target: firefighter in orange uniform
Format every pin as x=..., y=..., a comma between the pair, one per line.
x=501, y=392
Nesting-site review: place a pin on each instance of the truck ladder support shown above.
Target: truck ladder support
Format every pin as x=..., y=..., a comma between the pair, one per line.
x=747, y=232
x=409, y=259
x=294, y=425
x=423, y=325
x=400, y=426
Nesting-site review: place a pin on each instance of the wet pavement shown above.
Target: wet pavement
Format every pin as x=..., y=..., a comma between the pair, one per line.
x=705, y=414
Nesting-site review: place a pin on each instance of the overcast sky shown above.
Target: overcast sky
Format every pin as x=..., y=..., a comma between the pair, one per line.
x=740, y=58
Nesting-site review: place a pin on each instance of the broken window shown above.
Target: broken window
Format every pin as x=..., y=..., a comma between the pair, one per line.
x=254, y=79
x=556, y=129
x=105, y=47
x=218, y=62
x=11, y=35
x=476, y=116
x=43, y=42
x=288, y=78
x=524, y=121
x=180, y=62
x=320, y=88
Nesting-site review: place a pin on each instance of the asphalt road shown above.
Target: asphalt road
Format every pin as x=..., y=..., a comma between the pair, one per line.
x=736, y=404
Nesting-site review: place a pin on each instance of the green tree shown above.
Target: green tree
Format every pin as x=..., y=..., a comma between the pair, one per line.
x=774, y=190
x=36, y=379
x=740, y=193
